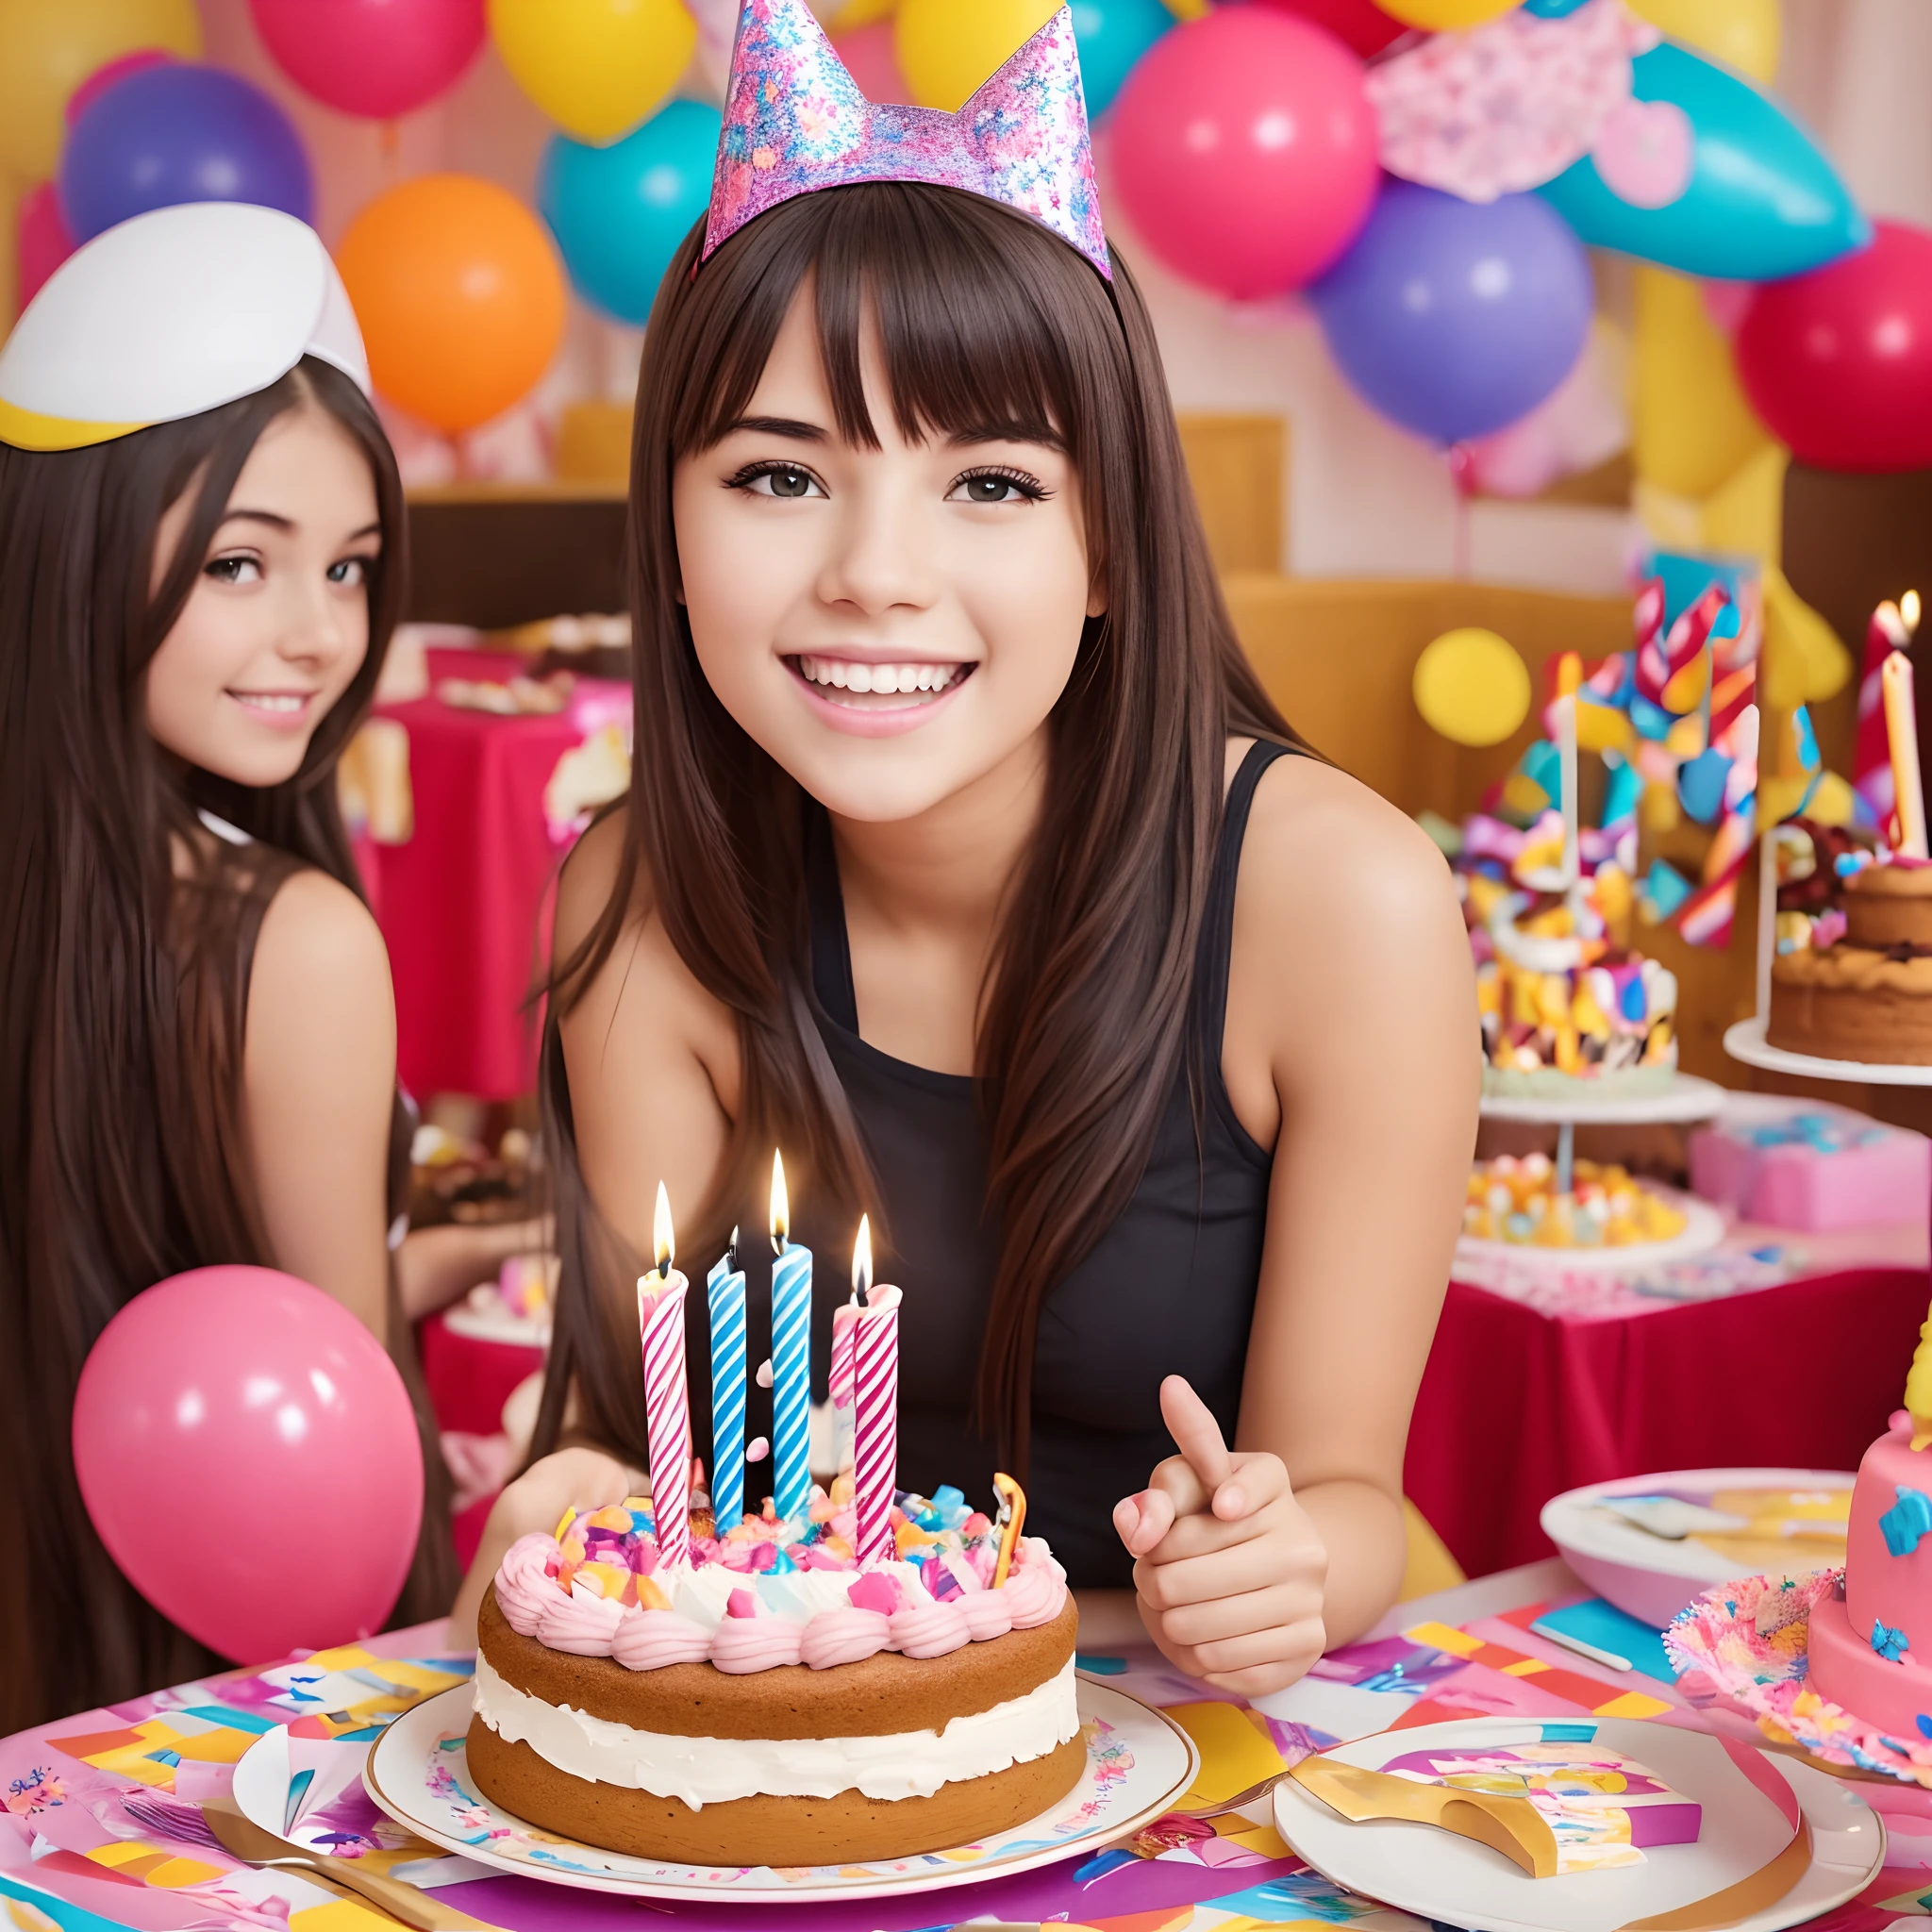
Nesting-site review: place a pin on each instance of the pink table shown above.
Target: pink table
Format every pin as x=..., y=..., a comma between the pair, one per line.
x=463, y=903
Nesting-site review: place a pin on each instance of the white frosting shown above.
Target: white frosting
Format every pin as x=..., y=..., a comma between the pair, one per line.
x=713, y=1771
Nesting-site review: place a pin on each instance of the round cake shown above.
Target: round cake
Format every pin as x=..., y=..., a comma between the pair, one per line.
x=1868, y=994
x=771, y=1702
x=1871, y=1650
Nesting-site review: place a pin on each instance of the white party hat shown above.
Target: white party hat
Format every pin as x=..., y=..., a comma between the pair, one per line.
x=169, y=314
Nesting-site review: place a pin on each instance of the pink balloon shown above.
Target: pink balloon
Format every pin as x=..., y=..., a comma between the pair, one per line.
x=377, y=58
x=1244, y=150
x=249, y=1457
x=873, y=61
x=42, y=239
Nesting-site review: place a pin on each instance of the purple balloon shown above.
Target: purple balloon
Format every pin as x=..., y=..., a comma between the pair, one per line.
x=1455, y=318
x=175, y=133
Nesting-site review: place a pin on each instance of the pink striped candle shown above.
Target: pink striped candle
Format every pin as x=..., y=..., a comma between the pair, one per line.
x=667, y=1406
x=875, y=1447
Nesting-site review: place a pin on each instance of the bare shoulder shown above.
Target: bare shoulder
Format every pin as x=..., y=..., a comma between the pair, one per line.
x=320, y=947
x=1325, y=855
x=590, y=875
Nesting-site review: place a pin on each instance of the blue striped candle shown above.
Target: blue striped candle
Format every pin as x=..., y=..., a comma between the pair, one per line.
x=790, y=1358
x=724, y=1287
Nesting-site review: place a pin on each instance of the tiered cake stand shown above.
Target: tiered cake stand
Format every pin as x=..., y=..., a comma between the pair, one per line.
x=1746, y=1041
x=1687, y=1098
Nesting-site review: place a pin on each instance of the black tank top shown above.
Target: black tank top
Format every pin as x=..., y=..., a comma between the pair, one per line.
x=1168, y=1288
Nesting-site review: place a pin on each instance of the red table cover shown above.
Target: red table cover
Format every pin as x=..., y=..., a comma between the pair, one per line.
x=1517, y=1406
x=463, y=905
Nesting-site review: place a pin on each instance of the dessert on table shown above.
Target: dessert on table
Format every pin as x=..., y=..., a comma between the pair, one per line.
x=1518, y=1201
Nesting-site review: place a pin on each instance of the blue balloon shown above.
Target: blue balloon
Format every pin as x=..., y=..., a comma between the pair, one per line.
x=178, y=132
x=1456, y=317
x=1112, y=34
x=1762, y=202
x=619, y=212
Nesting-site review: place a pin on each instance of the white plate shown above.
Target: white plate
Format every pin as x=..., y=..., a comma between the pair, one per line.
x=1746, y=1041
x=1703, y=1229
x=1653, y=1577
x=1687, y=1098
x=1421, y=1868
x=1138, y=1764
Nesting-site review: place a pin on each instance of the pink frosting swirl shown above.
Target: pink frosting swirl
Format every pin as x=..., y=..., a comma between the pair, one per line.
x=1035, y=1589
x=926, y=1629
x=582, y=1623
x=649, y=1640
x=744, y=1644
x=987, y=1612
x=526, y=1583
x=843, y=1636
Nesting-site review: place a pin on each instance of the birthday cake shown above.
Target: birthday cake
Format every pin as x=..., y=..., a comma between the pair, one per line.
x=769, y=1701
x=1856, y=983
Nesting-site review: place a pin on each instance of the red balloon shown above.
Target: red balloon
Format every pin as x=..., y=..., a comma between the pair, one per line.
x=1362, y=24
x=1244, y=150
x=42, y=239
x=377, y=58
x=1838, y=362
x=248, y=1455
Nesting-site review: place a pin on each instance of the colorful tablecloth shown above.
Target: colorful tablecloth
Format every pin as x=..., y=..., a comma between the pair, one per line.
x=464, y=902
x=103, y=1822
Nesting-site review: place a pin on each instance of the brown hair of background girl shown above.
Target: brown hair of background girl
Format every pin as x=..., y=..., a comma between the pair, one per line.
x=983, y=319
x=123, y=983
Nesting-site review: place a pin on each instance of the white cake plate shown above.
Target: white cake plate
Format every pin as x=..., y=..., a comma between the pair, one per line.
x=1704, y=1228
x=1139, y=1762
x=1687, y=1098
x=1746, y=1041
x=1423, y=1870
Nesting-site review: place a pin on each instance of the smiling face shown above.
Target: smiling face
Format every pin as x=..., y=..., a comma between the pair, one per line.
x=891, y=624
x=276, y=625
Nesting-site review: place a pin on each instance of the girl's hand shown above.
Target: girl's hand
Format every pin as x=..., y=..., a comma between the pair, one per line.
x=1228, y=1570
x=582, y=1478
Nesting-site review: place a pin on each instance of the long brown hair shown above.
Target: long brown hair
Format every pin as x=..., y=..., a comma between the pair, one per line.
x=122, y=984
x=983, y=319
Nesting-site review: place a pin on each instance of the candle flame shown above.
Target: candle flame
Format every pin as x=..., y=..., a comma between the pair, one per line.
x=663, y=1236
x=862, y=1258
x=1908, y=611
x=781, y=1204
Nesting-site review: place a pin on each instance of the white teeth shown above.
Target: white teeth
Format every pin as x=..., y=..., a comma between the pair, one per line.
x=844, y=674
x=268, y=701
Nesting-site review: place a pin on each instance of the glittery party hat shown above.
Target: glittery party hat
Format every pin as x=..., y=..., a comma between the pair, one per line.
x=797, y=122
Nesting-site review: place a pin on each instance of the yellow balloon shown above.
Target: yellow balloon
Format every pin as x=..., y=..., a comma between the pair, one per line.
x=48, y=47
x=947, y=47
x=597, y=68
x=1692, y=428
x=1744, y=34
x=1472, y=687
x=1443, y=16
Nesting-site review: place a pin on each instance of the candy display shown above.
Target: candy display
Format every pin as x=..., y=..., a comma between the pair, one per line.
x=1871, y=1642
x=1603, y=1809
x=1518, y=1201
x=1562, y=996
x=770, y=1699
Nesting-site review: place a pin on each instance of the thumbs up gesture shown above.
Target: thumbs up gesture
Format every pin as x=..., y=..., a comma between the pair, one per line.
x=1228, y=1570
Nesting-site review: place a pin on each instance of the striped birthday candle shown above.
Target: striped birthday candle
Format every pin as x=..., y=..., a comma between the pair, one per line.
x=725, y=1288
x=875, y=1449
x=790, y=1358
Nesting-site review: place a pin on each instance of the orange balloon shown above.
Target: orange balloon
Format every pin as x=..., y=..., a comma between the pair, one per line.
x=460, y=297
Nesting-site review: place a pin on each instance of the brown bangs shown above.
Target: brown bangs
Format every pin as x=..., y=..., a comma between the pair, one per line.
x=1019, y=345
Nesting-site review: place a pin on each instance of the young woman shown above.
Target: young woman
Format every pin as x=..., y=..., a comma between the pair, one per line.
x=201, y=561
x=968, y=862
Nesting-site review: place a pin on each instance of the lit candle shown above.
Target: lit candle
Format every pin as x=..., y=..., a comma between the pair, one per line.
x=1901, y=733
x=876, y=1423
x=845, y=1323
x=667, y=1407
x=725, y=1288
x=790, y=1357
x=1565, y=710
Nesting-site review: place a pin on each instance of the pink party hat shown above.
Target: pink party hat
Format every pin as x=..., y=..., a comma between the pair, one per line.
x=795, y=122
